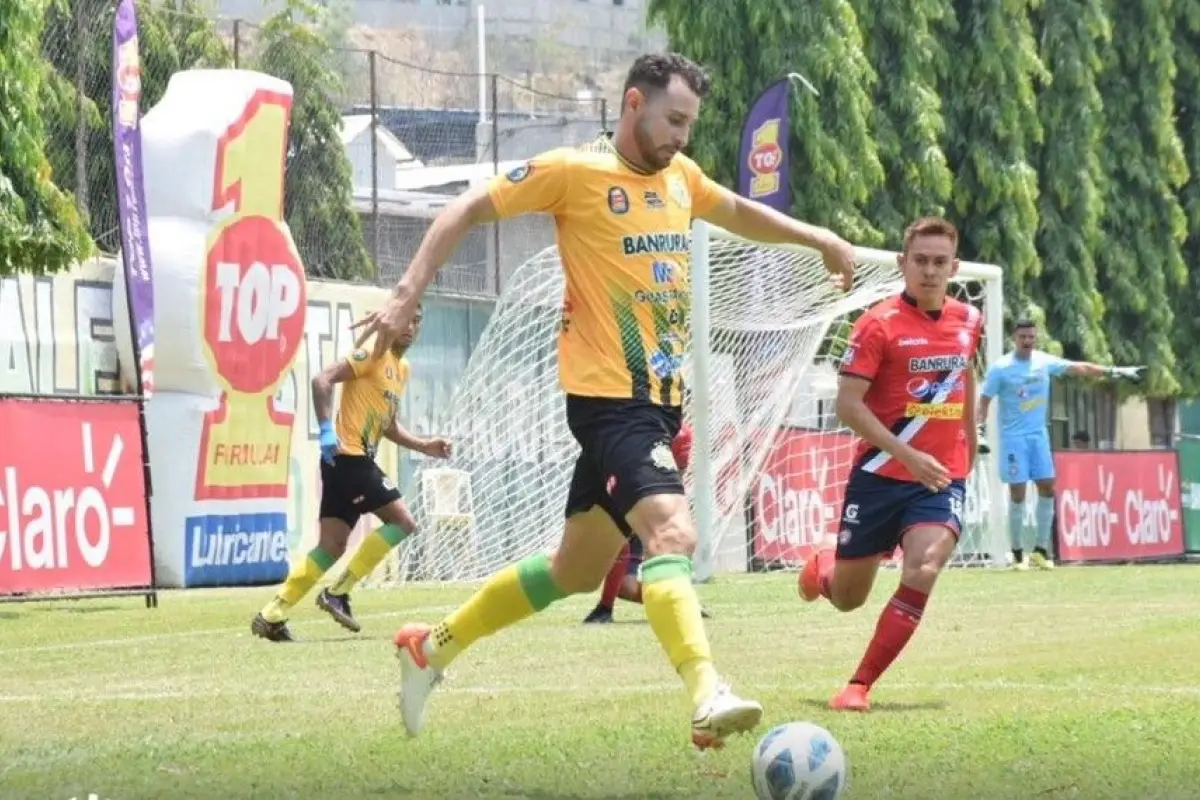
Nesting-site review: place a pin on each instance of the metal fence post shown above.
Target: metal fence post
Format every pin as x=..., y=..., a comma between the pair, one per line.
x=604, y=115
x=371, y=76
x=237, y=43
x=495, y=81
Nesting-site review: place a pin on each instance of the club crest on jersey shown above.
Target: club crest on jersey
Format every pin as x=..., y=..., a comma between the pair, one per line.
x=678, y=191
x=618, y=200
x=848, y=356
x=518, y=174
x=360, y=355
x=662, y=458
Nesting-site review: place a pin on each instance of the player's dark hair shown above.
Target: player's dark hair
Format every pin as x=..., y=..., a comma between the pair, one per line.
x=1024, y=322
x=652, y=73
x=930, y=226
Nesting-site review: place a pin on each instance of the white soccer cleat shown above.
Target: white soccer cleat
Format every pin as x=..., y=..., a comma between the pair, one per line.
x=722, y=715
x=417, y=678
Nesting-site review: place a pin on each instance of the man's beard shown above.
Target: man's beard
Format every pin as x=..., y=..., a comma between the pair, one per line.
x=647, y=152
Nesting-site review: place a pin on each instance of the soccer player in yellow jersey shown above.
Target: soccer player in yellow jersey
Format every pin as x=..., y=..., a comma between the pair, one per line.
x=352, y=484
x=623, y=210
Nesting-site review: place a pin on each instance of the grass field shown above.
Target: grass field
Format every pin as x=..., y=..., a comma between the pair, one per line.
x=1082, y=683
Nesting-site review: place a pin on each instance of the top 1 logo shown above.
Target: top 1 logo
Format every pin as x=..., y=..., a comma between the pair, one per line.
x=253, y=309
x=765, y=159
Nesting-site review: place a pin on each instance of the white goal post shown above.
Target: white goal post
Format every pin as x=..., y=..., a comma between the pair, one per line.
x=769, y=457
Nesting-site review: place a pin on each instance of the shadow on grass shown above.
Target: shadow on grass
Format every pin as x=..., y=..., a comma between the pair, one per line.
x=886, y=707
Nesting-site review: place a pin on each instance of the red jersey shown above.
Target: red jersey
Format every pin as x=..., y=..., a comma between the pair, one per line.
x=917, y=364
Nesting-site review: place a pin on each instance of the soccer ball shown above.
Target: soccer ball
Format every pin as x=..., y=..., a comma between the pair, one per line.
x=798, y=761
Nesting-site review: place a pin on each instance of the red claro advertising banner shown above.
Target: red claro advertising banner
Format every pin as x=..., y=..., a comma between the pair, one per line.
x=72, y=496
x=1118, y=506
x=798, y=494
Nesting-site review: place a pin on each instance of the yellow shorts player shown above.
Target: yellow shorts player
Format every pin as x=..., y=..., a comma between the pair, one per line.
x=623, y=209
x=352, y=484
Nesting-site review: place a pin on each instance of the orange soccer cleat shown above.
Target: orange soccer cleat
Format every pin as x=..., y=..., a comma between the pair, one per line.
x=855, y=697
x=817, y=567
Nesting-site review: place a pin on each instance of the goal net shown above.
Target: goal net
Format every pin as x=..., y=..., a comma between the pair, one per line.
x=770, y=457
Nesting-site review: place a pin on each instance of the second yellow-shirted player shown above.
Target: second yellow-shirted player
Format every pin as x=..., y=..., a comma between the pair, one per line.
x=352, y=484
x=623, y=209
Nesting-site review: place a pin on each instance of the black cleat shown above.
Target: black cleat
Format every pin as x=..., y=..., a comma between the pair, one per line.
x=599, y=614
x=338, y=607
x=705, y=613
x=271, y=631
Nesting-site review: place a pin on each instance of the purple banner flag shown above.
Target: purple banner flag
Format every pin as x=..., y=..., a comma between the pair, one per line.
x=131, y=190
x=763, y=159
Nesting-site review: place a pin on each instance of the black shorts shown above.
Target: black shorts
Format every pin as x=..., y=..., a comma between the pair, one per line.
x=626, y=454
x=352, y=486
x=878, y=511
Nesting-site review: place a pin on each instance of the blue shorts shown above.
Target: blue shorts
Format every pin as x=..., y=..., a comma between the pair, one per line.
x=878, y=511
x=635, y=556
x=1026, y=458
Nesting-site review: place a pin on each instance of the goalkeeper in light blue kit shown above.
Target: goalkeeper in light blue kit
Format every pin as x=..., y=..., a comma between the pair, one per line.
x=1020, y=384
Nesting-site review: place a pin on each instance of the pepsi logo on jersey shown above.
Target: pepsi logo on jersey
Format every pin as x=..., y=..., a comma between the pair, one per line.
x=923, y=388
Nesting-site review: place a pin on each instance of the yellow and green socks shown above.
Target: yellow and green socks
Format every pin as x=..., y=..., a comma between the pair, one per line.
x=673, y=610
x=371, y=551
x=512, y=594
x=302, y=577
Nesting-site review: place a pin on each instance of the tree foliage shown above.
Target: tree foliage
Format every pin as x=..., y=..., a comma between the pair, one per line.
x=76, y=100
x=1071, y=175
x=992, y=133
x=1187, y=100
x=319, y=187
x=904, y=49
x=834, y=160
x=1140, y=262
x=40, y=229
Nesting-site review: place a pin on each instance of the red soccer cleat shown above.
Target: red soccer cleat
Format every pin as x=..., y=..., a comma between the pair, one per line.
x=817, y=567
x=855, y=697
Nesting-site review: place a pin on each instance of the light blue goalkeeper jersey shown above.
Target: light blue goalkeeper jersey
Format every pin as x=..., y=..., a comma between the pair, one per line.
x=1021, y=390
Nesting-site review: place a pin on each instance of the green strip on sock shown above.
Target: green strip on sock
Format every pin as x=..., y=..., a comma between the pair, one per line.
x=537, y=583
x=392, y=534
x=321, y=558
x=664, y=568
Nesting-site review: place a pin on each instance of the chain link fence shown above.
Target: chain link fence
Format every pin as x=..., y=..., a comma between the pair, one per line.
x=415, y=127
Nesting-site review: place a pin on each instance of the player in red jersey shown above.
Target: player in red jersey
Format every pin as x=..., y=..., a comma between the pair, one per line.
x=907, y=389
x=622, y=580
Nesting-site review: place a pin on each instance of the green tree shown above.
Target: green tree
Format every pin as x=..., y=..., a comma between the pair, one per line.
x=1140, y=262
x=1187, y=100
x=75, y=100
x=835, y=168
x=1072, y=33
x=40, y=229
x=904, y=49
x=992, y=129
x=319, y=190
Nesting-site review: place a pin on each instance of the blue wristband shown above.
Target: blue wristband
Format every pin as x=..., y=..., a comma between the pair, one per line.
x=326, y=426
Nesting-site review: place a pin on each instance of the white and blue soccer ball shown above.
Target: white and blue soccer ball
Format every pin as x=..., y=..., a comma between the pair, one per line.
x=798, y=761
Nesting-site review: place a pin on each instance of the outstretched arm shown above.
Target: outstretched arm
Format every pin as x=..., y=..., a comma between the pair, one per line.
x=762, y=223
x=1086, y=369
x=473, y=207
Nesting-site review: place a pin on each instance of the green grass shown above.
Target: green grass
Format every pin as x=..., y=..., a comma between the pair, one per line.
x=1082, y=683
